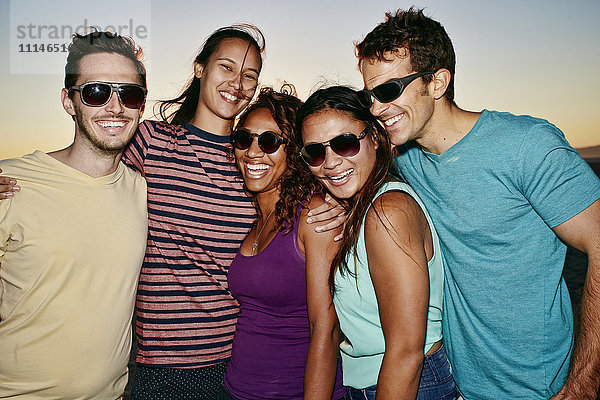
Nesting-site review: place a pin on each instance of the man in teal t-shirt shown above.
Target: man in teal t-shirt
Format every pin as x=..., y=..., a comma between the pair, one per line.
x=505, y=192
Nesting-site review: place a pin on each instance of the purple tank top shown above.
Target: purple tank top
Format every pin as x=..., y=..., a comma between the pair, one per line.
x=272, y=335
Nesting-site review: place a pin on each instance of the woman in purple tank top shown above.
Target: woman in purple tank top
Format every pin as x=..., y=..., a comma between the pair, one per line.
x=280, y=259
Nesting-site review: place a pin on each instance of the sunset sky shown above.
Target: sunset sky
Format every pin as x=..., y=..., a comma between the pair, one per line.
x=536, y=57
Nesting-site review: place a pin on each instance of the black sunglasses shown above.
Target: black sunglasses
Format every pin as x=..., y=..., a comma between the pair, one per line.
x=97, y=94
x=268, y=141
x=346, y=145
x=387, y=91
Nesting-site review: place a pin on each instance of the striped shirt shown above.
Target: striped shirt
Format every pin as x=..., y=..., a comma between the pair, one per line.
x=198, y=215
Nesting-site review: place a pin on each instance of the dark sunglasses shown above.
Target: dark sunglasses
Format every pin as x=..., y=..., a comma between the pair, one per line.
x=387, y=91
x=268, y=141
x=97, y=94
x=346, y=145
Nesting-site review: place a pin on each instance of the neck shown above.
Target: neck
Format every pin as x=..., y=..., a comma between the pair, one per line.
x=209, y=122
x=446, y=127
x=266, y=202
x=92, y=162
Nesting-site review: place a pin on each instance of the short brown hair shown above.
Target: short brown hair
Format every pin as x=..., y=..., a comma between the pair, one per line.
x=101, y=42
x=426, y=41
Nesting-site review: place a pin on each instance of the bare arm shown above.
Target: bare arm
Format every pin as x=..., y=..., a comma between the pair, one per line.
x=321, y=362
x=583, y=232
x=8, y=186
x=398, y=244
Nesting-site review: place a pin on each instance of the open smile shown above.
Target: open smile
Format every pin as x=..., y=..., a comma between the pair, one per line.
x=112, y=126
x=341, y=178
x=393, y=120
x=229, y=97
x=256, y=171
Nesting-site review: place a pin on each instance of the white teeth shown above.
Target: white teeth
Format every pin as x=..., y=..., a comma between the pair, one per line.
x=228, y=96
x=111, y=124
x=256, y=169
x=341, y=176
x=393, y=120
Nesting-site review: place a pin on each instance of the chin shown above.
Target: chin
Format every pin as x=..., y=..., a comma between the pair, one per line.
x=340, y=193
x=229, y=112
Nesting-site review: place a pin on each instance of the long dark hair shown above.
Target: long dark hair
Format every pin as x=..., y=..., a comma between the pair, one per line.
x=297, y=183
x=187, y=101
x=344, y=99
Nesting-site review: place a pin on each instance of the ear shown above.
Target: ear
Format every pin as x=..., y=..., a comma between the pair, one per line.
x=198, y=68
x=373, y=138
x=67, y=102
x=441, y=80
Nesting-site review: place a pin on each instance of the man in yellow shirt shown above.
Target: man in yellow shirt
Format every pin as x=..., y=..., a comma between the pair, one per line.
x=72, y=242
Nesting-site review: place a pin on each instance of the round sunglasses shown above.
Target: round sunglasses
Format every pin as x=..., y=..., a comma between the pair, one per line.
x=345, y=145
x=268, y=141
x=387, y=91
x=97, y=94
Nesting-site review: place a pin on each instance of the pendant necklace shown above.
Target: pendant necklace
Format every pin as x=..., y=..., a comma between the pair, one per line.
x=255, y=243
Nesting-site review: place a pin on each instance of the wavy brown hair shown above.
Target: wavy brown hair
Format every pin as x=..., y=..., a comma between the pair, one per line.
x=297, y=183
x=345, y=99
x=428, y=44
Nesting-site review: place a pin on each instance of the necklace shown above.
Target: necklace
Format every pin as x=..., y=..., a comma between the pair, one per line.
x=255, y=243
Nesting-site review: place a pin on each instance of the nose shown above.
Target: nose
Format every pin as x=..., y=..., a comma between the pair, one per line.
x=114, y=105
x=332, y=159
x=254, y=151
x=378, y=108
x=236, y=81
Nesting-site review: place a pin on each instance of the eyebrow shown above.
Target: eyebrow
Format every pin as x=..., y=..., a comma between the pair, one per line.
x=231, y=60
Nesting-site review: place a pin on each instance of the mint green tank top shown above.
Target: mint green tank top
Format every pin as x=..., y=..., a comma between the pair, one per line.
x=356, y=306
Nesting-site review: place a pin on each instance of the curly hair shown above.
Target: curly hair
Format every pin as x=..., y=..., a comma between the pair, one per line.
x=297, y=184
x=429, y=46
x=345, y=99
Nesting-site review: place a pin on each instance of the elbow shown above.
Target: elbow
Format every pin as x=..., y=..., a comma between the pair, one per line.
x=325, y=334
x=408, y=359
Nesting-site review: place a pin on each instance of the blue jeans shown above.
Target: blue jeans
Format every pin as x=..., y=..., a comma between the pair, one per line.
x=436, y=381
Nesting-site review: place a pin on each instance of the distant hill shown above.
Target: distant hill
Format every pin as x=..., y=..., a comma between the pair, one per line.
x=590, y=153
x=592, y=156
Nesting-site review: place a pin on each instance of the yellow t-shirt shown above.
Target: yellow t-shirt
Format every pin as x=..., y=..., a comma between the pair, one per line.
x=71, y=248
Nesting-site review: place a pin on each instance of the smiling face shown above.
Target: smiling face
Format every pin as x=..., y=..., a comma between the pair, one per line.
x=407, y=117
x=228, y=79
x=261, y=171
x=342, y=176
x=107, y=128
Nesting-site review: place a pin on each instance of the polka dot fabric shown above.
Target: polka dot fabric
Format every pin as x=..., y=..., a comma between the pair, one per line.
x=179, y=384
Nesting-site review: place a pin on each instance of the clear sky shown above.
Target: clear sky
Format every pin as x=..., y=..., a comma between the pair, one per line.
x=536, y=57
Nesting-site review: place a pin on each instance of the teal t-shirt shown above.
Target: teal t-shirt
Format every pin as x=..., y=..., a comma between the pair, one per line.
x=356, y=306
x=495, y=197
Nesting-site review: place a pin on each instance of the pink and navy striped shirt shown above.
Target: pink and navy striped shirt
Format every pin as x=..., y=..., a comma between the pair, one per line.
x=198, y=216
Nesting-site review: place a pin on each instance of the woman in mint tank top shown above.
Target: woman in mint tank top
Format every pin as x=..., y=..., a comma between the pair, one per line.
x=280, y=259
x=387, y=275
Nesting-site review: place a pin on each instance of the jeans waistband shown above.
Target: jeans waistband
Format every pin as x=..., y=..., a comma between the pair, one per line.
x=438, y=357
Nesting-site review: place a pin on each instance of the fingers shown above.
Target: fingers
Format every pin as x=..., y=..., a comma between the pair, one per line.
x=8, y=186
x=332, y=223
x=329, y=215
x=324, y=212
